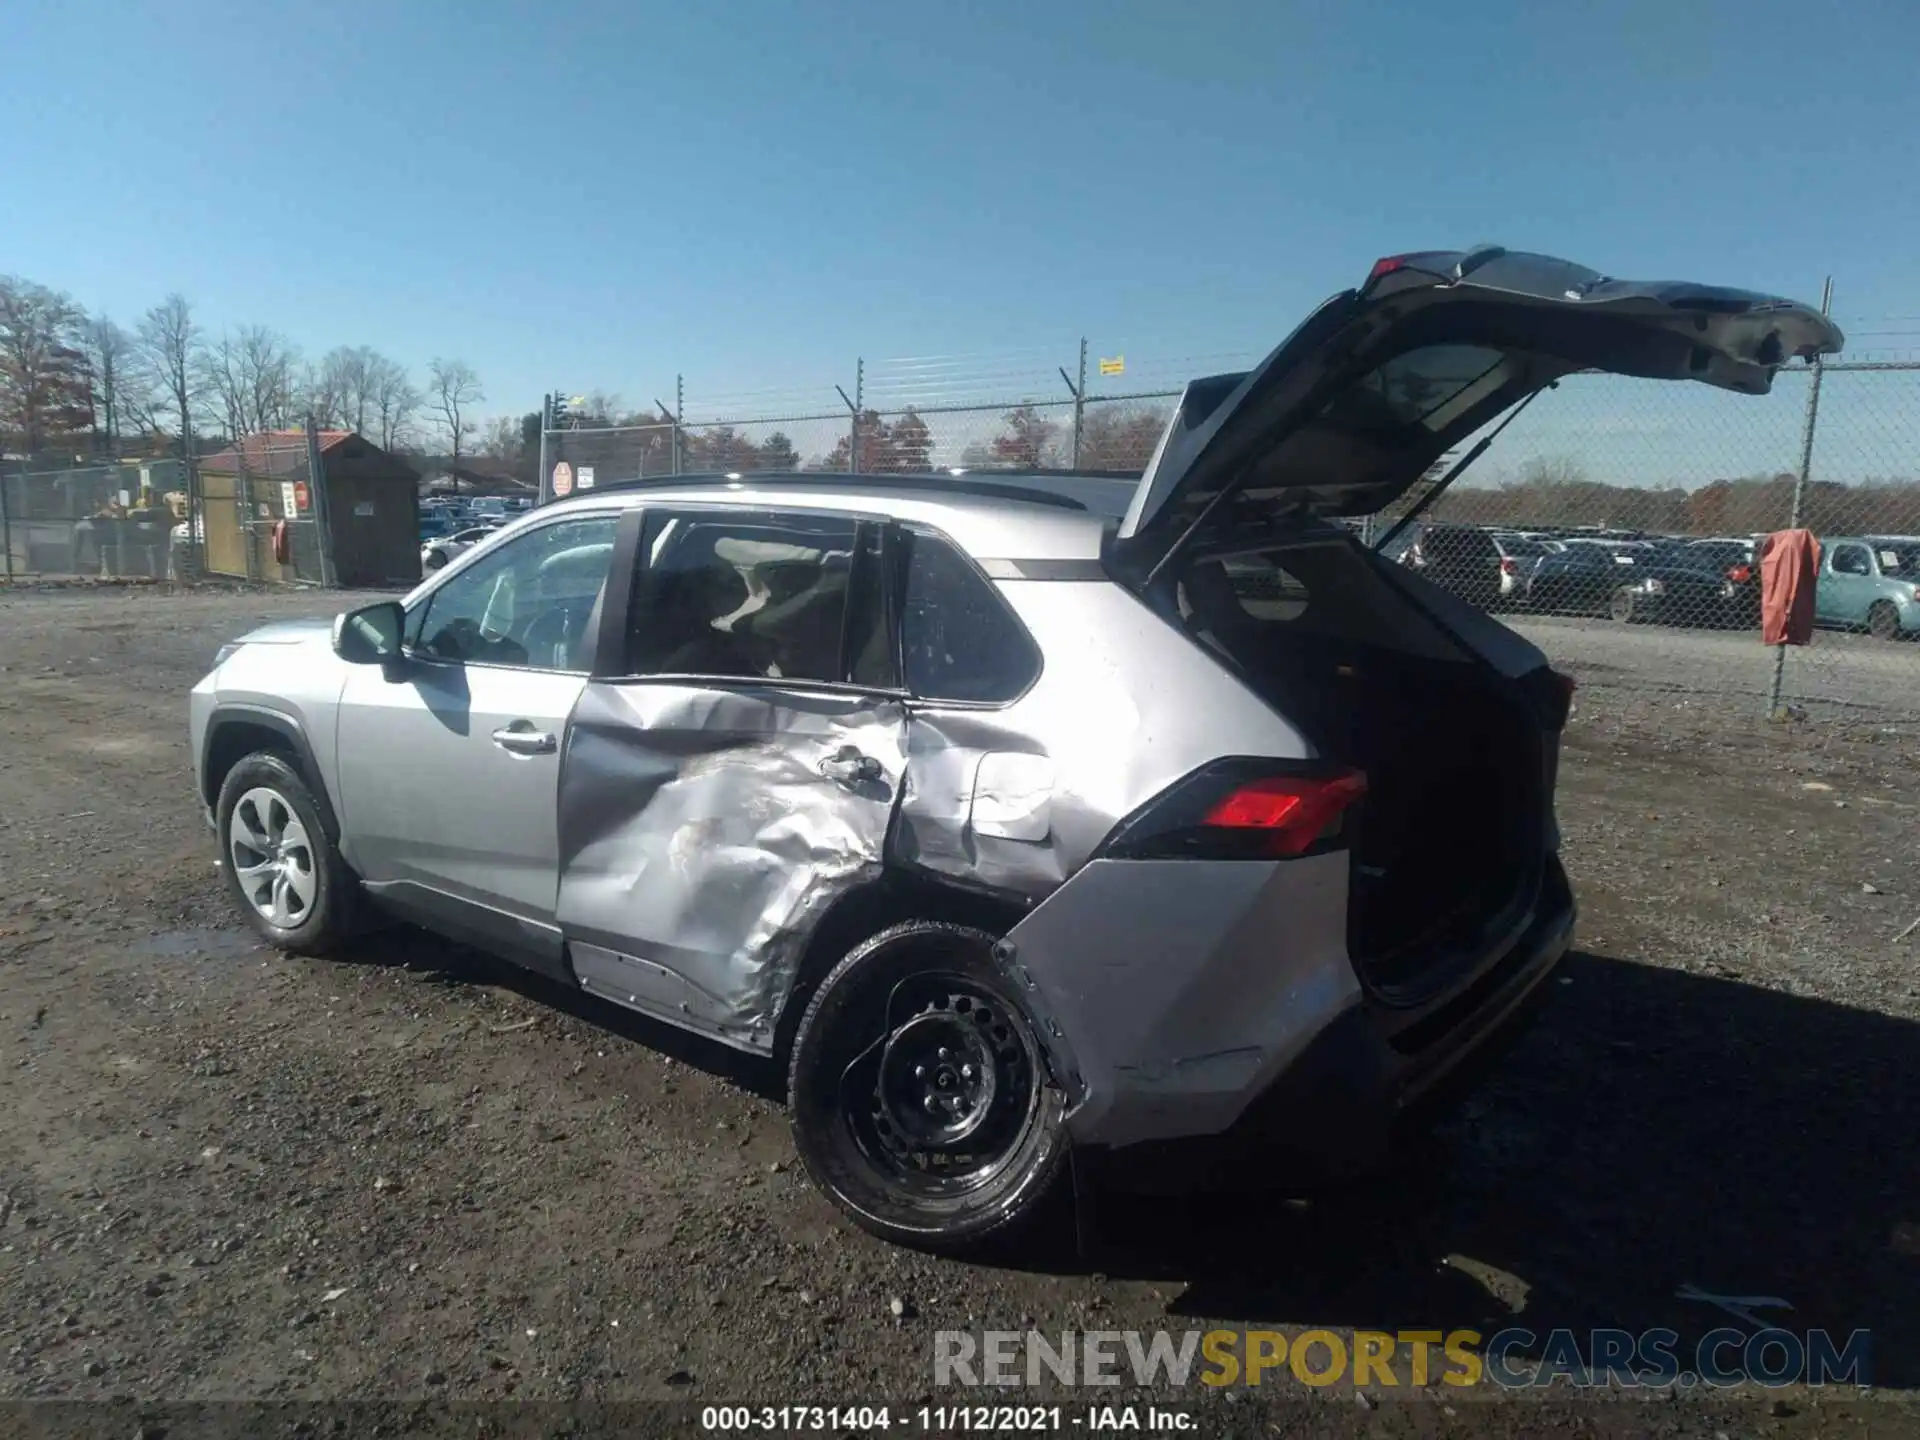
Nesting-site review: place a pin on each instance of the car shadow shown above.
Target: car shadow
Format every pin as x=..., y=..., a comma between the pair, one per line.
x=1654, y=1130
x=442, y=961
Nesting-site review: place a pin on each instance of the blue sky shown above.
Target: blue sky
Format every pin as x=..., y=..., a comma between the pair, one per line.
x=602, y=195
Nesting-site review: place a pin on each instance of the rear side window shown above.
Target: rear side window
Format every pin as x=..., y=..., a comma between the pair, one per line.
x=958, y=639
x=1851, y=560
x=752, y=596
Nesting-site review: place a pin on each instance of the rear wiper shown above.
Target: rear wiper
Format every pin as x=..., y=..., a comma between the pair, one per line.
x=1421, y=506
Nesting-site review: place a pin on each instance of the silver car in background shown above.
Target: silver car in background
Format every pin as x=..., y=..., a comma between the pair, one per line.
x=1163, y=825
x=437, y=554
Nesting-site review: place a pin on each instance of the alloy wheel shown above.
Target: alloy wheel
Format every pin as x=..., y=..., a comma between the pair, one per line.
x=272, y=857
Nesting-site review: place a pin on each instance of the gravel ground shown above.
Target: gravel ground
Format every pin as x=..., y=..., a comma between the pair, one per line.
x=412, y=1177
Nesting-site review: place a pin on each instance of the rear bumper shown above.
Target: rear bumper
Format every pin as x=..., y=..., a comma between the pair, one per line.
x=1335, y=1083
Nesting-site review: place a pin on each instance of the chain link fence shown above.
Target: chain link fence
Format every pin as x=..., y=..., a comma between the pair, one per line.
x=1617, y=522
x=1112, y=433
x=258, y=511
x=248, y=512
x=112, y=520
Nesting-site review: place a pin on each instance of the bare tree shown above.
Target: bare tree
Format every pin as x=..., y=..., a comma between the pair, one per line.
x=168, y=346
x=394, y=400
x=500, y=438
x=118, y=385
x=45, y=389
x=320, y=392
x=455, y=390
x=250, y=375
x=344, y=388
x=358, y=375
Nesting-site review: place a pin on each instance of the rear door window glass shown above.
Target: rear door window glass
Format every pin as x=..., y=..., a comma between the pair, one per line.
x=959, y=640
x=750, y=596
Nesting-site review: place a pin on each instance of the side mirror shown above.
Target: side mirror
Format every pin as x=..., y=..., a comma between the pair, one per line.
x=370, y=635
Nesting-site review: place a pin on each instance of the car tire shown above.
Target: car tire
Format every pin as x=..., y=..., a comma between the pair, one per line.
x=279, y=858
x=1883, y=621
x=1621, y=606
x=922, y=1102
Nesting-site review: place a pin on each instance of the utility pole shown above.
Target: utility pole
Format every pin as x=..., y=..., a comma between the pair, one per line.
x=853, y=404
x=679, y=416
x=322, y=507
x=1079, y=393
x=545, y=492
x=1800, y=481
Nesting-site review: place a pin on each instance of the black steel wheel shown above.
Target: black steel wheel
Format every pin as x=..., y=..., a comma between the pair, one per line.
x=1883, y=621
x=922, y=1102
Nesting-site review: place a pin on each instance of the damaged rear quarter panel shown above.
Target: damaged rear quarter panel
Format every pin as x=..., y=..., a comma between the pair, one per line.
x=701, y=842
x=1016, y=798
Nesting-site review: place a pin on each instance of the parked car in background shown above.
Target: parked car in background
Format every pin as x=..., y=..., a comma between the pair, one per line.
x=1734, y=559
x=1632, y=581
x=1518, y=555
x=1870, y=583
x=1461, y=558
x=1577, y=579
x=438, y=553
x=826, y=767
x=498, y=506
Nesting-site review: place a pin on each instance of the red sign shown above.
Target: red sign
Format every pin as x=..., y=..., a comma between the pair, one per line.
x=300, y=496
x=562, y=479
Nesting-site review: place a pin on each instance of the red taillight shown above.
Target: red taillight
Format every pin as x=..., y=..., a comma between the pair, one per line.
x=1509, y=565
x=1386, y=266
x=1740, y=574
x=1290, y=812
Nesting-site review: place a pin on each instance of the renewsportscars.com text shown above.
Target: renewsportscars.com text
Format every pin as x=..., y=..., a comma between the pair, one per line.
x=1514, y=1358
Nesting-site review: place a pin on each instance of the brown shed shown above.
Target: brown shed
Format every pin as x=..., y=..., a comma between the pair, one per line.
x=369, y=498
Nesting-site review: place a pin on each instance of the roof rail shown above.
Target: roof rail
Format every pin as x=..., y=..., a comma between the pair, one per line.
x=1032, y=488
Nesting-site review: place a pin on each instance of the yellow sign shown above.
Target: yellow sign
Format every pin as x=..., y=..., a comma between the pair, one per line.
x=1116, y=366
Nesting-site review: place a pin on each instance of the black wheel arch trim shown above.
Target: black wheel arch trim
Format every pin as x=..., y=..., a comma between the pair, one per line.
x=287, y=728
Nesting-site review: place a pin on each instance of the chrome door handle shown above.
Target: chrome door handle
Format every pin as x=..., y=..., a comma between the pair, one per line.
x=525, y=742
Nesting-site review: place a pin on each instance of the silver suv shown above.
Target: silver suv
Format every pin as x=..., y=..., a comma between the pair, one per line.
x=1161, y=824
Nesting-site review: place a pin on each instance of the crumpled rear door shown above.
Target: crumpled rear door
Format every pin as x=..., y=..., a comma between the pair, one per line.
x=704, y=832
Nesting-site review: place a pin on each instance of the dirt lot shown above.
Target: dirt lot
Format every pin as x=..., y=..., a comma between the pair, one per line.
x=410, y=1175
